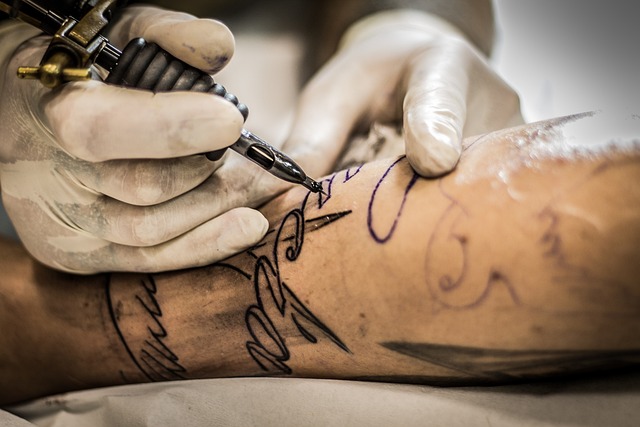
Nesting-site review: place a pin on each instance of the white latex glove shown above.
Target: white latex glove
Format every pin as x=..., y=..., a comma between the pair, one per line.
x=101, y=178
x=402, y=65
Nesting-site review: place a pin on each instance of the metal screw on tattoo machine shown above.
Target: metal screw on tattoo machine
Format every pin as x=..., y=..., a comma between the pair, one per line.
x=77, y=45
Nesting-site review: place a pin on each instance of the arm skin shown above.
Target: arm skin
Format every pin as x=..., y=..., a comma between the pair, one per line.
x=522, y=263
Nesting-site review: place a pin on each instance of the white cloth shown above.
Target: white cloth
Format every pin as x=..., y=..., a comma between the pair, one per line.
x=612, y=400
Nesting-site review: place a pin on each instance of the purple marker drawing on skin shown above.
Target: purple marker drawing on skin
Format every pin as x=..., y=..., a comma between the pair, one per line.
x=348, y=175
x=374, y=233
x=322, y=199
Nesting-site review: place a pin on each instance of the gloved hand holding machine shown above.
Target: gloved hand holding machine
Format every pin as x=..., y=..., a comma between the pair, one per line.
x=98, y=177
x=78, y=43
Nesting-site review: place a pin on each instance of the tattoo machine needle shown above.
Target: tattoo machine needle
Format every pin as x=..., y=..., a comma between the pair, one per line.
x=147, y=66
x=273, y=161
x=76, y=45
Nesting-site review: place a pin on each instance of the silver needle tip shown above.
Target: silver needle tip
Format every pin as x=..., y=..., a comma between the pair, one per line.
x=313, y=186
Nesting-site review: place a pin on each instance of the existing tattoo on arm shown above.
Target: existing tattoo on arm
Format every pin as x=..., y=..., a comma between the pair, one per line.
x=475, y=365
x=276, y=308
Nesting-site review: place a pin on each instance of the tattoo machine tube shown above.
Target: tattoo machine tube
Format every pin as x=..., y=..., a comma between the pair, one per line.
x=141, y=65
x=147, y=66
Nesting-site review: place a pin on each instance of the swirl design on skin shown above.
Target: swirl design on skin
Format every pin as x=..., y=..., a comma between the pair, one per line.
x=451, y=263
x=449, y=285
x=374, y=227
x=277, y=307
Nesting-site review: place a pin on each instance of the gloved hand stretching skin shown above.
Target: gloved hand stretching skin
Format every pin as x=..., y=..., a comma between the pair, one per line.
x=403, y=65
x=102, y=178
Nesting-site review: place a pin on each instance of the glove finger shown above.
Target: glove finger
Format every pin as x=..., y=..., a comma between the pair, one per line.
x=212, y=241
x=98, y=122
x=118, y=222
x=146, y=182
x=435, y=108
x=206, y=44
x=330, y=107
x=217, y=239
x=346, y=94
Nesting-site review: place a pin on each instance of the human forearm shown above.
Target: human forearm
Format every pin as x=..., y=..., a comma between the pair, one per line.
x=517, y=265
x=54, y=337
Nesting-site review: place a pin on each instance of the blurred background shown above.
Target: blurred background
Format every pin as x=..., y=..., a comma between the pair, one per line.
x=569, y=56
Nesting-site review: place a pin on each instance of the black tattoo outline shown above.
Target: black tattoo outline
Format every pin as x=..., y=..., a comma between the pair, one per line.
x=489, y=365
x=159, y=363
x=154, y=358
x=268, y=347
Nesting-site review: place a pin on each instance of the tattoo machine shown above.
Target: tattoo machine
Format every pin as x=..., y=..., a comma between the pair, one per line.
x=77, y=44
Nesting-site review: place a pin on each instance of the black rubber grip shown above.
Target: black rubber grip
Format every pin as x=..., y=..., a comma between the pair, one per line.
x=147, y=66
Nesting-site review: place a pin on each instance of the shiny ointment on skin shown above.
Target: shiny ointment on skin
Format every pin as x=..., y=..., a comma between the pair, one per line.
x=585, y=135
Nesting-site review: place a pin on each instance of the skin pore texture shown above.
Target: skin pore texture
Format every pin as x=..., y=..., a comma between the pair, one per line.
x=521, y=264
